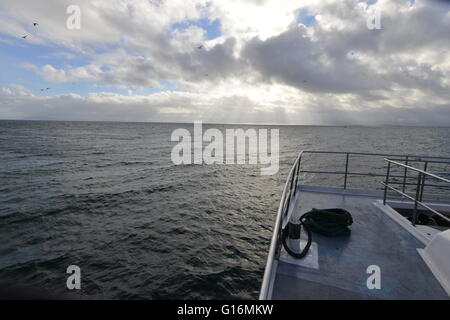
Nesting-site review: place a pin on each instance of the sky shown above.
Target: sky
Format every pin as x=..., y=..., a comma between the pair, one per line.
x=305, y=62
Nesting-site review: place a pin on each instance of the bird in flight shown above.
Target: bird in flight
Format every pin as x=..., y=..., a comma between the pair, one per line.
x=24, y=37
x=200, y=47
x=35, y=24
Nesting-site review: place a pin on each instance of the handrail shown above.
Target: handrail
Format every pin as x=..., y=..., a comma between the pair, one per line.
x=407, y=158
x=418, y=202
x=274, y=245
x=419, y=188
x=418, y=170
x=291, y=186
x=377, y=154
x=420, y=160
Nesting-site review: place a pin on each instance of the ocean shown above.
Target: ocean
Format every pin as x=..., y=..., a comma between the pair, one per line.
x=106, y=197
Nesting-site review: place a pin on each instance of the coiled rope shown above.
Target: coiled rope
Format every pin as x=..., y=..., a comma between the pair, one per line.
x=328, y=222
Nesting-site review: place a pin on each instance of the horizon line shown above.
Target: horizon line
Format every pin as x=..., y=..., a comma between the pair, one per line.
x=234, y=123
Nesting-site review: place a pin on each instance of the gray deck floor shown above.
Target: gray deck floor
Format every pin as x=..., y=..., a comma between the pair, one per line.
x=375, y=240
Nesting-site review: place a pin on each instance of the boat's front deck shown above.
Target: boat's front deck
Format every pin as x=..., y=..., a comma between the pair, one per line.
x=376, y=239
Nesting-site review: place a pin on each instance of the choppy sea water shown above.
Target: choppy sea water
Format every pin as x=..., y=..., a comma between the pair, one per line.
x=107, y=197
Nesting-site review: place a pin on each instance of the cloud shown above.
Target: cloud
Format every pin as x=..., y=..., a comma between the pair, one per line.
x=19, y=103
x=265, y=66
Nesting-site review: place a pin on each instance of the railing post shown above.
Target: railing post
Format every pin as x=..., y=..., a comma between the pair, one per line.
x=425, y=167
x=288, y=198
x=404, y=175
x=298, y=171
x=386, y=182
x=414, y=217
x=292, y=184
x=346, y=170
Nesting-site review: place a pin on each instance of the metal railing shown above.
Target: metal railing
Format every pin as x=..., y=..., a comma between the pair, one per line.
x=346, y=173
x=282, y=211
x=290, y=188
x=420, y=185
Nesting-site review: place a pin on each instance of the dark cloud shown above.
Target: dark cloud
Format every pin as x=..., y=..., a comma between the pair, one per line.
x=296, y=60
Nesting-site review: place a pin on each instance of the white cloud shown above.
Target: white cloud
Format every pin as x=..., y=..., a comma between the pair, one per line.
x=172, y=106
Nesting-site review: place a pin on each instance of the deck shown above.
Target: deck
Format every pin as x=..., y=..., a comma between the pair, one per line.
x=376, y=239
